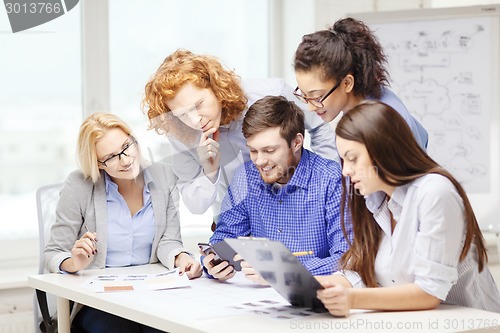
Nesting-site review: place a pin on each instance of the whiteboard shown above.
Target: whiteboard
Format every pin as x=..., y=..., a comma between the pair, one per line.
x=444, y=65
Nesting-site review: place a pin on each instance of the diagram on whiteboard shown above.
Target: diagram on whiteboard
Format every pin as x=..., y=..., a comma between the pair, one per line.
x=441, y=73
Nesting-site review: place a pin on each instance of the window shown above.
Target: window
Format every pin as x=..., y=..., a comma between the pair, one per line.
x=40, y=112
x=140, y=37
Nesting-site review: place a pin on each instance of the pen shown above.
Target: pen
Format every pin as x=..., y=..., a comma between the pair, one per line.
x=93, y=241
x=302, y=253
x=87, y=228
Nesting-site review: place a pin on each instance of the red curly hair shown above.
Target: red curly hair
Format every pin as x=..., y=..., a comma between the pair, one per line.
x=204, y=72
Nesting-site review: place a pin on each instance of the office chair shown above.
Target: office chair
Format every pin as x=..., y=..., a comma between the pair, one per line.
x=46, y=202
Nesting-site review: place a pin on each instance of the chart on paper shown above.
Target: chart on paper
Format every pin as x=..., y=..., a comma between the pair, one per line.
x=137, y=282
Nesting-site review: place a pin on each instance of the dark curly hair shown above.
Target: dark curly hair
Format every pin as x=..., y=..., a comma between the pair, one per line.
x=348, y=47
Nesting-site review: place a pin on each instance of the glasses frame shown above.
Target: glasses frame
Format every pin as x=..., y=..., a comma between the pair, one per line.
x=119, y=155
x=318, y=101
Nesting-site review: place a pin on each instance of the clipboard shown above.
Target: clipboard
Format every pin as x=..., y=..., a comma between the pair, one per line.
x=281, y=269
x=226, y=252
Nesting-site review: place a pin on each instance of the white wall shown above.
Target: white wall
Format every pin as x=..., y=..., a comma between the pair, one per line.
x=303, y=17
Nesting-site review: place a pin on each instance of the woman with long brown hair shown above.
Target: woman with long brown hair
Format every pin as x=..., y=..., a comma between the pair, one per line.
x=416, y=241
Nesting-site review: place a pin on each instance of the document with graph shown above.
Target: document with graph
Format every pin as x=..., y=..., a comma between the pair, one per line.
x=137, y=282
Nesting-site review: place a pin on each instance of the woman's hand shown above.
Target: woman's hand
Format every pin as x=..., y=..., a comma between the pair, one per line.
x=336, y=298
x=188, y=265
x=208, y=153
x=82, y=253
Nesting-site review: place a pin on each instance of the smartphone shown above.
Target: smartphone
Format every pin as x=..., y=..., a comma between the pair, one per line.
x=208, y=249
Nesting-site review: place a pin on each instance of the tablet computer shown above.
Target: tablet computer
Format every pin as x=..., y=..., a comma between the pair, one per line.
x=281, y=269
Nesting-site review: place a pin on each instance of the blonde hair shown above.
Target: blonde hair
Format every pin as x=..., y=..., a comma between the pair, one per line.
x=204, y=72
x=91, y=131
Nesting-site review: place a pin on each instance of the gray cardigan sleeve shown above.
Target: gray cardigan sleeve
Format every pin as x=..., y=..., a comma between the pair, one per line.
x=67, y=227
x=170, y=241
x=84, y=203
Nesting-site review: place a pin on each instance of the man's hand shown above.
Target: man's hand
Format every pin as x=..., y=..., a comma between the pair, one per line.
x=221, y=271
x=250, y=273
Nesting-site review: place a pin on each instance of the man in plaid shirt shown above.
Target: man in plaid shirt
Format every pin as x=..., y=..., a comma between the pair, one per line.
x=285, y=193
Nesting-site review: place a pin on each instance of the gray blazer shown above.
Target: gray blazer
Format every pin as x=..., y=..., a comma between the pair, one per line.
x=82, y=202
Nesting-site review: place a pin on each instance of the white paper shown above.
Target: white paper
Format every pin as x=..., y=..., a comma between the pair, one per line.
x=137, y=282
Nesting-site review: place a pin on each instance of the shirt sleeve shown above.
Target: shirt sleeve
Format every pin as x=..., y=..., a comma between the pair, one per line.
x=336, y=241
x=234, y=221
x=352, y=277
x=69, y=220
x=322, y=134
x=170, y=244
x=198, y=192
x=419, y=132
x=439, y=239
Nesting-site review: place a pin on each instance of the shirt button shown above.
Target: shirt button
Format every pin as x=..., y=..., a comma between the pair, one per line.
x=281, y=201
x=279, y=230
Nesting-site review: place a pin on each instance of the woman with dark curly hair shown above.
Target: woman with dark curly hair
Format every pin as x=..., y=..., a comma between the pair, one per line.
x=191, y=91
x=339, y=67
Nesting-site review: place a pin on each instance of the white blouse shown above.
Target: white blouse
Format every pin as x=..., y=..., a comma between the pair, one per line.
x=426, y=243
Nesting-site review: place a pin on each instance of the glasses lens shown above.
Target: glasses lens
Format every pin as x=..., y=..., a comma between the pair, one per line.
x=300, y=98
x=113, y=160
x=316, y=103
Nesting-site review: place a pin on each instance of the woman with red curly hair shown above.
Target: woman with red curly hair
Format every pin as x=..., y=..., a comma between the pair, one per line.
x=199, y=104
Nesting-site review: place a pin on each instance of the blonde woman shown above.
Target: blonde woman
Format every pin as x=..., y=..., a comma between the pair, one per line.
x=115, y=212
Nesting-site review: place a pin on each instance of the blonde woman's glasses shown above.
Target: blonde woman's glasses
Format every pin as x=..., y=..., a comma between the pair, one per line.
x=127, y=151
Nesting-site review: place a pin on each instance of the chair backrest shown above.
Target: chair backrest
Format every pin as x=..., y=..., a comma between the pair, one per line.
x=46, y=202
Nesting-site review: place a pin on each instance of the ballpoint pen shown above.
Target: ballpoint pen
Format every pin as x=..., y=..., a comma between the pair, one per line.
x=93, y=241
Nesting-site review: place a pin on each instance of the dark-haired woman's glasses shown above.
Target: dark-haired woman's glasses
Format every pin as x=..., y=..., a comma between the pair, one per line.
x=113, y=160
x=318, y=101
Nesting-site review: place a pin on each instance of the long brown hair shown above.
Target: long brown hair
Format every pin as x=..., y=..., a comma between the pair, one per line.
x=348, y=47
x=399, y=160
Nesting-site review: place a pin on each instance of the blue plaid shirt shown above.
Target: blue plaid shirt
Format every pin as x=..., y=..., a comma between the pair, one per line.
x=304, y=214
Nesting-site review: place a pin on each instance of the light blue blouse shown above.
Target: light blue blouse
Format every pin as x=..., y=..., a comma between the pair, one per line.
x=130, y=238
x=389, y=98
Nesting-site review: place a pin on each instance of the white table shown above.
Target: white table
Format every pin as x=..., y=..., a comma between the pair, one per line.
x=203, y=308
